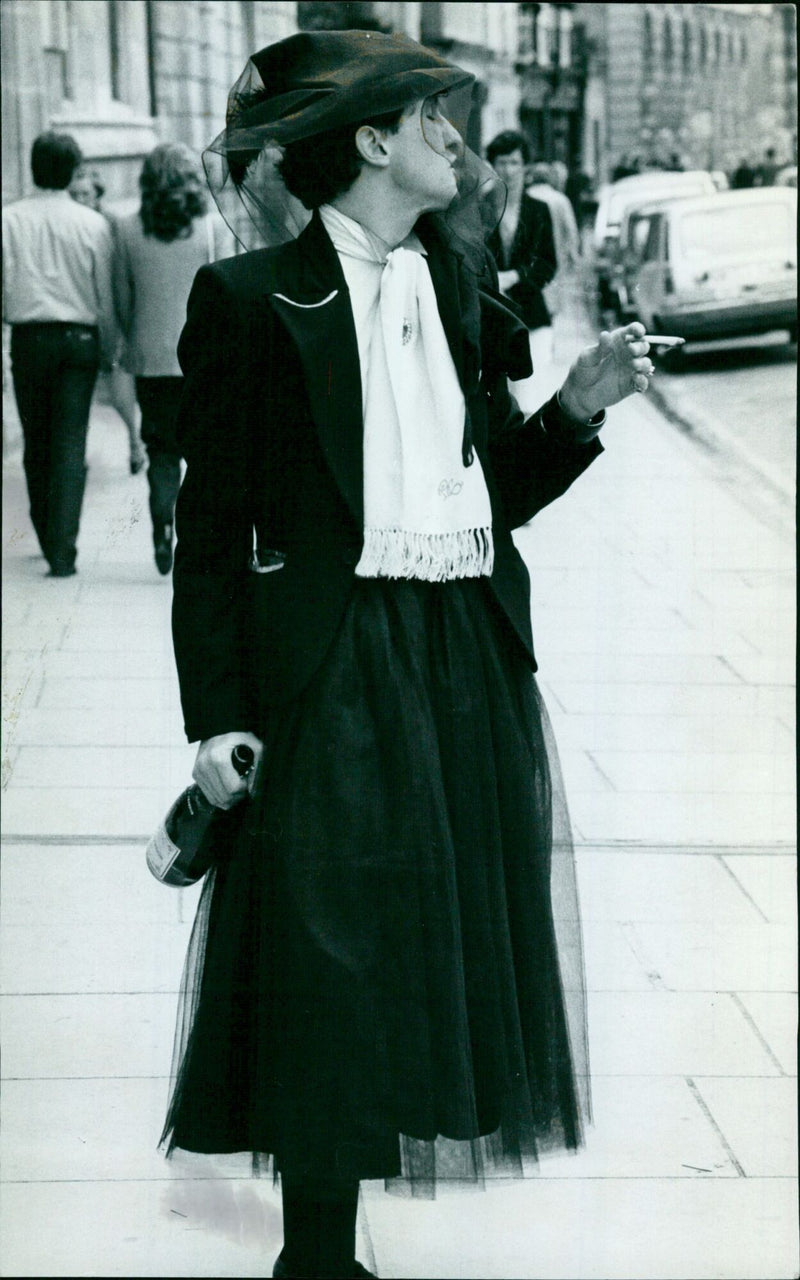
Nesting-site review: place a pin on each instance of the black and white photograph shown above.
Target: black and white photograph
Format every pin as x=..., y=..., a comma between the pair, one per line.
x=399, y=855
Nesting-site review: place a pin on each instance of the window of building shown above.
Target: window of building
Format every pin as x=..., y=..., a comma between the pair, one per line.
x=702, y=46
x=731, y=51
x=546, y=36
x=526, y=32
x=114, y=50
x=248, y=26
x=743, y=48
x=564, y=38
x=55, y=17
x=96, y=57
x=668, y=45
x=687, y=45
x=717, y=47
x=647, y=36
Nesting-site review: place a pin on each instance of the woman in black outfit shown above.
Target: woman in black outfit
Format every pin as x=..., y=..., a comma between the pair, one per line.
x=377, y=984
x=523, y=244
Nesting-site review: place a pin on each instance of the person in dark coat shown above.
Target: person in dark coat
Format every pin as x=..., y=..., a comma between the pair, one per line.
x=743, y=176
x=523, y=244
x=377, y=985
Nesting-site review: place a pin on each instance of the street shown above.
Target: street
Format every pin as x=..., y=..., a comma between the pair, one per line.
x=664, y=616
x=743, y=395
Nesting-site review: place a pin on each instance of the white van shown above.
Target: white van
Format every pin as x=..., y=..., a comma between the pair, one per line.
x=721, y=266
x=618, y=198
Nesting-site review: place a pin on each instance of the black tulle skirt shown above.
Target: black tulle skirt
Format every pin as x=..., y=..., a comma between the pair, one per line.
x=385, y=976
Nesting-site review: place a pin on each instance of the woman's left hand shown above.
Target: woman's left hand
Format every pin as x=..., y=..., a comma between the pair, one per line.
x=616, y=366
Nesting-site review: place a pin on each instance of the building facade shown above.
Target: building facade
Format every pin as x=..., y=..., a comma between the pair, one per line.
x=552, y=66
x=123, y=75
x=702, y=85
x=708, y=84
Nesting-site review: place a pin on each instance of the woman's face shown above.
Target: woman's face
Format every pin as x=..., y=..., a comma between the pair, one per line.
x=82, y=189
x=423, y=153
x=511, y=168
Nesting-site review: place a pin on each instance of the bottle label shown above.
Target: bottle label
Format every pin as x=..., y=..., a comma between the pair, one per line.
x=161, y=855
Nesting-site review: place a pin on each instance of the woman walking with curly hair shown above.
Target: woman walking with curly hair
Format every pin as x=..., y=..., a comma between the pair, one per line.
x=159, y=250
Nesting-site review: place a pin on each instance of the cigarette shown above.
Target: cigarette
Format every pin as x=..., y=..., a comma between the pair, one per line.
x=662, y=340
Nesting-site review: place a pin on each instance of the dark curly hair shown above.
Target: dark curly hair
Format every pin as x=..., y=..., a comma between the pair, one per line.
x=315, y=169
x=173, y=192
x=54, y=159
x=506, y=143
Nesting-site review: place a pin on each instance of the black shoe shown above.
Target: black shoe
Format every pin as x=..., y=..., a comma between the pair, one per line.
x=163, y=548
x=281, y=1271
x=61, y=570
x=138, y=460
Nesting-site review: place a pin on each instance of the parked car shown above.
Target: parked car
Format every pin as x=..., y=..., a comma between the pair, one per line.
x=616, y=198
x=624, y=265
x=721, y=266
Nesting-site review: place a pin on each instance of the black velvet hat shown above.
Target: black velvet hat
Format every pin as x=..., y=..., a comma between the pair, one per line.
x=320, y=80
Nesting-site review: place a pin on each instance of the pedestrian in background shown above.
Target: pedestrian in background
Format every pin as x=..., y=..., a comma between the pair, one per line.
x=579, y=190
x=522, y=244
x=158, y=252
x=766, y=171
x=373, y=987
x=626, y=167
x=87, y=188
x=544, y=186
x=57, y=298
x=743, y=176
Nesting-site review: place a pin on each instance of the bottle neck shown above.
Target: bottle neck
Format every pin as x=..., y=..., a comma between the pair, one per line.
x=197, y=801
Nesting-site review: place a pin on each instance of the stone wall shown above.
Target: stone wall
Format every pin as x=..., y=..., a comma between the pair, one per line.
x=160, y=73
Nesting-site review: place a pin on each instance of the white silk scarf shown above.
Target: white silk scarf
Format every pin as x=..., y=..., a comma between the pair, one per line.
x=426, y=514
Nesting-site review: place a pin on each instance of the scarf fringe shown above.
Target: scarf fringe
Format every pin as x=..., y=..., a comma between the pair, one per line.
x=432, y=557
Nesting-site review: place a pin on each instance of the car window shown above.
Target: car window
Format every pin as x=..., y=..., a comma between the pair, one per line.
x=651, y=248
x=641, y=230
x=739, y=231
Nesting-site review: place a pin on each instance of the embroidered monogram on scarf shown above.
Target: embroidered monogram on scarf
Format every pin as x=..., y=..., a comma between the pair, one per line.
x=426, y=514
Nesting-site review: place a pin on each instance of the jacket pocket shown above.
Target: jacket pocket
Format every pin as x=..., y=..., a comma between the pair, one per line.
x=266, y=561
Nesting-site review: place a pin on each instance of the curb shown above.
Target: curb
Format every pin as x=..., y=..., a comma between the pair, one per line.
x=722, y=444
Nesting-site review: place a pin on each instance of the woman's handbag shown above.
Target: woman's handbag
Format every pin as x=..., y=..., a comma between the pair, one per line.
x=183, y=848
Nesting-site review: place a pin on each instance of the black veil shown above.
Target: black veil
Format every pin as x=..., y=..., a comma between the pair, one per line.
x=242, y=163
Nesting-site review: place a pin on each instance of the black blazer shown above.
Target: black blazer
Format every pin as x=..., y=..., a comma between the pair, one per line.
x=533, y=255
x=271, y=429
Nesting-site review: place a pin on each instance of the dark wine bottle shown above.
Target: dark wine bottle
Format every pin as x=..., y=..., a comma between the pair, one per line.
x=179, y=853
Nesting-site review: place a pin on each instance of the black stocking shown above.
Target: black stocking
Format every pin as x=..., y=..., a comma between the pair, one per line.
x=319, y=1227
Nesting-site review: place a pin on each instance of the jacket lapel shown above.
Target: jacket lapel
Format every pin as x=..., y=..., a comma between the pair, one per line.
x=311, y=299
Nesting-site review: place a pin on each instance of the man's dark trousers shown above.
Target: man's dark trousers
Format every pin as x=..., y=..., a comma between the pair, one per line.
x=159, y=400
x=54, y=368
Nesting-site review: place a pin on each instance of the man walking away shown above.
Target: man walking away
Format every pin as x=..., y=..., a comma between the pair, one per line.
x=57, y=299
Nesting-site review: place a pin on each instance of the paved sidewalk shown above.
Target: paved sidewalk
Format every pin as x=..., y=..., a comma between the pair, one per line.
x=664, y=615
